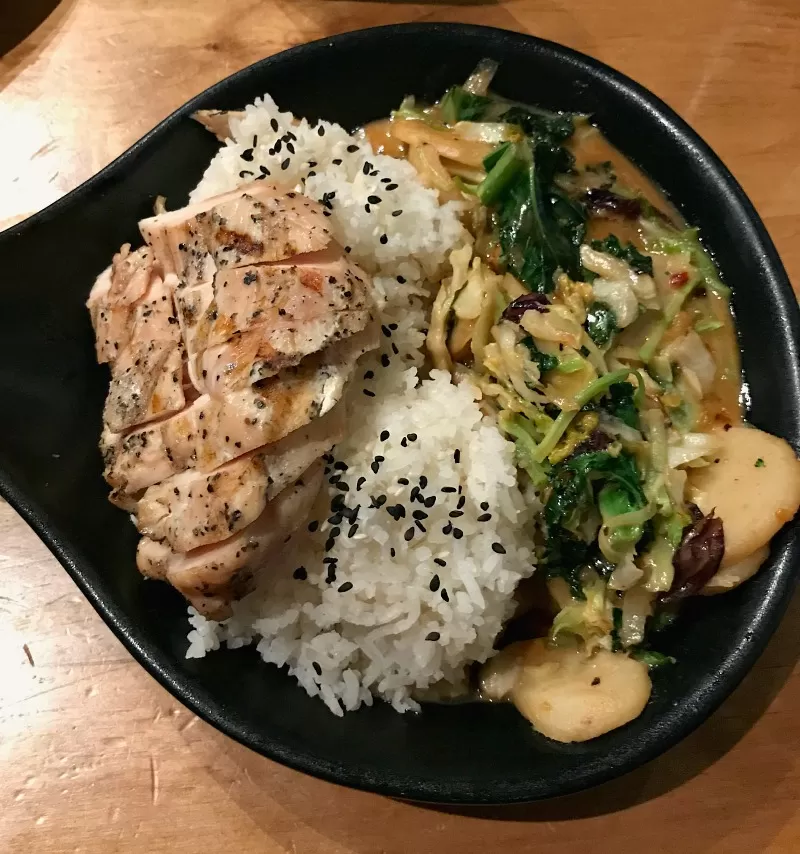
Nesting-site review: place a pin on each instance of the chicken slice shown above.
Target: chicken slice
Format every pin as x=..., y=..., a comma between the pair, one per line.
x=218, y=121
x=195, y=509
x=114, y=295
x=147, y=376
x=251, y=322
x=257, y=223
x=213, y=431
x=212, y=577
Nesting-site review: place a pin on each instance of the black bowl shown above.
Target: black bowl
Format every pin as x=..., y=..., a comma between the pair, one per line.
x=52, y=393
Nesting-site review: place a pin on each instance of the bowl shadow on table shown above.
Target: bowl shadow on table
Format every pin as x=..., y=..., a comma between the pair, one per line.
x=287, y=805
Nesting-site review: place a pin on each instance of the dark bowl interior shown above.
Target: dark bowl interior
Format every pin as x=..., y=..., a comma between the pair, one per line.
x=52, y=393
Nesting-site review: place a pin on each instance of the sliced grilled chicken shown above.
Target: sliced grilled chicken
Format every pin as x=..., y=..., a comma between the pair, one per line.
x=115, y=294
x=196, y=509
x=147, y=376
x=258, y=223
x=212, y=577
x=218, y=121
x=251, y=322
x=213, y=431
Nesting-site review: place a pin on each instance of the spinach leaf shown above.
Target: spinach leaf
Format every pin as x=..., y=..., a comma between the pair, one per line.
x=545, y=361
x=458, y=105
x=573, y=482
x=565, y=557
x=601, y=323
x=555, y=128
x=539, y=229
x=619, y=402
x=651, y=658
x=629, y=253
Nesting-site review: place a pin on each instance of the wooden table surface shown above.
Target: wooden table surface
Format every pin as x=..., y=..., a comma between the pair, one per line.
x=95, y=756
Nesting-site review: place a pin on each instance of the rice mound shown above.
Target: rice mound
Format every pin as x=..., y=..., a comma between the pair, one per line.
x=421, y=534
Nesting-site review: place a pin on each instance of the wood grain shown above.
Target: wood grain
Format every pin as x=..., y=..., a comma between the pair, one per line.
x=98, y=758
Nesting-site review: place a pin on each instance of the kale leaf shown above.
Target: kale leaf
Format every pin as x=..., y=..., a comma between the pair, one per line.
x=629, y=253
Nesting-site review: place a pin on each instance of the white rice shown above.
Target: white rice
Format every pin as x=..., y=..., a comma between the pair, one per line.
x=382, y=617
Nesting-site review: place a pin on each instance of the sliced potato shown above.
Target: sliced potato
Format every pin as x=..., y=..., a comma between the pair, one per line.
x=753, y=484
x=732, y=576
x=567, y=694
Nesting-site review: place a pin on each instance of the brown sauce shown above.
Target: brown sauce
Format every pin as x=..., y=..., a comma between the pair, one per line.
x=380, y=137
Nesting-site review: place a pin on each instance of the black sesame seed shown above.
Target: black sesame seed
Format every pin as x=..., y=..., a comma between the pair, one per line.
x=290, y=148
x=347, y=586
x=434, y=584
x=278, y=146
x=423, y=481
x=335, y=532
x=380, y=501
x=336, y=519
x=374, y=200
x=367, y=209
x=317, y=669
x=457, y=456
x=352, y=532
x=409, y=535
x=439, y=562
x=458, y=533
x=274, y=125
x=461, y=502
x=340, y=466
x=347, y=249
x=300, y=573
x=385, y=360
x=352, y=149
x=369, y=393
x=397, y=512
x=329, y=544
x=401, y=279
x=404, y=442
x=498, y=548
x=395, y=350
x=321, y=130
x=403, y=481
x=375, y=466
x=312, y=526
x=383, y=239
x=484, y=517
x=455, y=514
x=430, y=501
x=247, y=155
x=397, y=213
x=361, y=481
x=420, y=514
x=447, y=528
x=448, y=489
x=384, y=435
x=412, y=437
x=336, y=162
x=419, y=525
x=379, y=458
x=444, y=594
x=263, y=170
x=484, y=505
x=386, y=331
x=432, y=636
x=245, y=172
x=392, y=552
x=414, y=493
x=285, y=164
x=391, y=186
x=368, y=375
